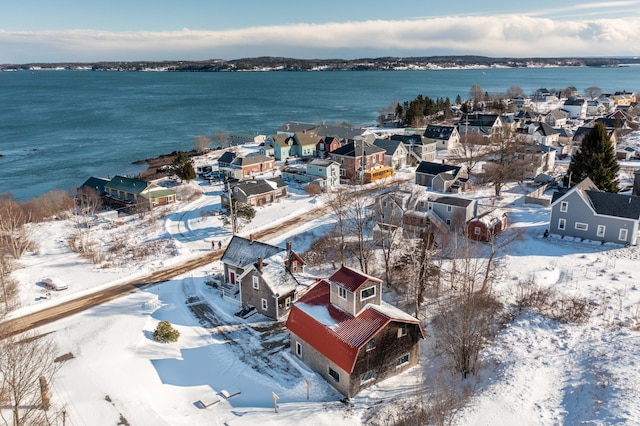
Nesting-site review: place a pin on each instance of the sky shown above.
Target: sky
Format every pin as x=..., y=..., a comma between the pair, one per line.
x=88, y=30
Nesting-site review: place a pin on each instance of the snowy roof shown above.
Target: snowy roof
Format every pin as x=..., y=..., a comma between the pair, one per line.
x=430, y=168
x=336, y=334
x=242, y=252
x=351, y=279
x=277, y=275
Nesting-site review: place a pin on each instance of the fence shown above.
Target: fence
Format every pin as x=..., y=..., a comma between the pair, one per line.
x=536, y=197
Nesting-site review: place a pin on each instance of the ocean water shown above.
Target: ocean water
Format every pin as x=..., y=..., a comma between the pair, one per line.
x=58, y=128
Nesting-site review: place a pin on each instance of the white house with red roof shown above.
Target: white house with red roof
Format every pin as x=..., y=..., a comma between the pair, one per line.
x=343, y=330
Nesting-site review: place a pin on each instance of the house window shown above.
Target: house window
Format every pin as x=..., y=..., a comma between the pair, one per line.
x=342, y=292
x=430, y=206
x=601, y=229
x=402, y=330
x=404, y=359
x=622, y=236
x=334, y=374
x=299, y=349
x=287, y=302
x=449, y=208
x=477, y=230
x=367, y=376
x=562, y=224
x=367, y=293
x=264, y=304
x=371, y=344
x=564, y=206
x=448, y=221
x=256, y=283
x=582, y=226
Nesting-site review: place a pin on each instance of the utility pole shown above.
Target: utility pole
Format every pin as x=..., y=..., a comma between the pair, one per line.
x=231, y=212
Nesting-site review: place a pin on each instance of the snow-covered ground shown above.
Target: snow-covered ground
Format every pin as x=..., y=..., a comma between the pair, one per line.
x=538, y=371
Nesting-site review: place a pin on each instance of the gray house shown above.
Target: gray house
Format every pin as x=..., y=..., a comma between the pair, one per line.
x=264, y=275
x=586, y=212
x=416, y=213
x=442, y=177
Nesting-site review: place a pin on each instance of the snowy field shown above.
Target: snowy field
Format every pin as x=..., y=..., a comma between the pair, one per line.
x=538, y=371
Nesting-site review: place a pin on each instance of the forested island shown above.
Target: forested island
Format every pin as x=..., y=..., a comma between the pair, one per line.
x=268, y=63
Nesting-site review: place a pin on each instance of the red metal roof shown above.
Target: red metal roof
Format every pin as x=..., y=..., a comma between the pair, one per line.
x=350, y=278
x=331, y=331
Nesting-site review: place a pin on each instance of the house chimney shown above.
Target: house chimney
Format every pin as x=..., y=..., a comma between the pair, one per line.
x=260, y=264
x=289, y=246
x=251, y=237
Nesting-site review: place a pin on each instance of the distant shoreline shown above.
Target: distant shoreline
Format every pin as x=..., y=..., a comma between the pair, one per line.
x=274, y=64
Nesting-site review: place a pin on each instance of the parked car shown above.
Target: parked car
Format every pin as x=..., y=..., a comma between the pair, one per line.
x=54, y=284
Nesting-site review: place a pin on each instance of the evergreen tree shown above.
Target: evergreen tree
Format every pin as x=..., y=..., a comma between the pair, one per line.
x=596, y=159
x=183, y=166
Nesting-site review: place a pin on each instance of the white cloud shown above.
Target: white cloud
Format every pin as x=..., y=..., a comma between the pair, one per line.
x=513, y=35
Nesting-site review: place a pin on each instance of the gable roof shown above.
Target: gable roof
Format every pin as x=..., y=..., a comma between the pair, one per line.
x=295, y=126
x=250, y=160
x=603, y=203
x=612, y=204
x=337, y=335
x=546, y=130
x=227, y=157
x=357, y=148
x=582, y=186
x=305, y=138
x=242, y=252
x=430, y=168
x=127, y=184
x=351, y=279
x=389, y=145
x=277, y=275
x=259, y=186
x=439, y=132
x=95, y=183
x=410, y=139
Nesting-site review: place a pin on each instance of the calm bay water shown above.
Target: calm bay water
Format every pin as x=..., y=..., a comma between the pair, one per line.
x=57, y=128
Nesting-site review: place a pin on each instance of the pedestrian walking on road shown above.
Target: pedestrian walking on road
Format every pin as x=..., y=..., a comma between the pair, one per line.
x=219, y=244
x=213, y=245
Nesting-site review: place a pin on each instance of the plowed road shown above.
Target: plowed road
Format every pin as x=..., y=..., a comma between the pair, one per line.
x=71, y=307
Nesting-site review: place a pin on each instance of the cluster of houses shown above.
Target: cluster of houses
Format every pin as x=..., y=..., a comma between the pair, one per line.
x=340, y=326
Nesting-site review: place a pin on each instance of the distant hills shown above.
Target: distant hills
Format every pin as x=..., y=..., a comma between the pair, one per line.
x=268, y=63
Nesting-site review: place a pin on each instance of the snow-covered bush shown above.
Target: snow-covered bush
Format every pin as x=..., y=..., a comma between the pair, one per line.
x=165, y=333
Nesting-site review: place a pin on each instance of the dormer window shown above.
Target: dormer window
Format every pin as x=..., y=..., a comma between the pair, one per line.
x=367, y=293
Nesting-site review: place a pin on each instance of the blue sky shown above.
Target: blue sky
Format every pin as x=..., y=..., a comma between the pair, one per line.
x=88, y=30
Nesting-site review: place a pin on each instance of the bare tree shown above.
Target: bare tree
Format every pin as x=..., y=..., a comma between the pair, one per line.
x=338, y=202
x=15, y=237
x=471, y=150
x=222, y=138
x=358, y=221
x=476, y=93
x=592, y=92
x=26, y=363
x=507, y=160
x=514, y=92
x=88, y=203
x=8, y=286
x=466, y=315
x=201, y=143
